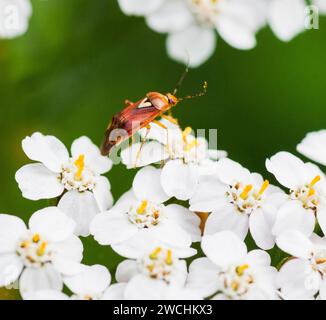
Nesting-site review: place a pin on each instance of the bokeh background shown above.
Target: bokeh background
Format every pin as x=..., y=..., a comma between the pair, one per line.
x=81, y=59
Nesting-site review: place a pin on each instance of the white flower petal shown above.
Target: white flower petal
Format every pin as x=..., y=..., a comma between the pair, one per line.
x=179, y=180
x=202, y=277
x=34, y=279
x=147, y=185
x=194, y=45
x=110, y=228
x=145, y=241
x=224, y=248
x=288, y=169
x=261, y=230
x=46, y=149
x=172, y=234
x=295, y=243
x=93, y=158
x=10, y=268
x=321, y=216
x=102, y=194
x=231, y=172
x=234, y=26
x=186, y=219
x=292, y=215
x=139, y=156
x=174, y=15
x=12, y=229
x=258, y=257
x=321, y=4
x=313, y=146
x=46, y=295
x=126, y=270
x=70, y=249
x=144, y=288
x=81, y=207
x=52, y=223
x=291, y=279
x=139, y=7
x=227, y=219
x=92, y=281
x=287, y=18
x=209, y=194
x=322, y=290
x=114, y=292
x=37, y=182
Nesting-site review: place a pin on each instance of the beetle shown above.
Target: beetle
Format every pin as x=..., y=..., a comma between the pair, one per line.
x=140, y=114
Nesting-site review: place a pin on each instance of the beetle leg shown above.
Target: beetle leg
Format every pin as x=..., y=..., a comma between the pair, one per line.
x=128, y=102
x=148, y=128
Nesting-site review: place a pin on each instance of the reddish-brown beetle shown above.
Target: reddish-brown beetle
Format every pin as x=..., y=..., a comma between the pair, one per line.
x=136, y=116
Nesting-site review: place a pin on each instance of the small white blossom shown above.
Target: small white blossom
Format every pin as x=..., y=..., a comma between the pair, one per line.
x=307, y=188
x=78, y=179
x=191, y=24
x=141, y=212
x=14, y=17
x=302, y=277
x=157, y=273
x=238, y=200
x=288, y=18
x=230, y=272
x=42, y=254
x=185, y=157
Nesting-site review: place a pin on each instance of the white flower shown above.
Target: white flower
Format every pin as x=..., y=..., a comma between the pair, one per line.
x=238, y=200
x=302, y=277
x=313, y=146
x=41, y=255
x=92, y=283
x=56, y=172
x=141, y=213
x=185, y=157
x=191, y=24
x=157, y=273
x=307, y=186
x=287, y=18
x=14, y=17
x=230, y=272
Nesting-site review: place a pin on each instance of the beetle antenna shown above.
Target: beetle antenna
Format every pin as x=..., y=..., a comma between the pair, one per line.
x=200, y=94
x=179, y=83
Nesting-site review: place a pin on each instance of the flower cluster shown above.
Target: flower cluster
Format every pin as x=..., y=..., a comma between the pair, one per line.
x=183, y=193
x=191, y=24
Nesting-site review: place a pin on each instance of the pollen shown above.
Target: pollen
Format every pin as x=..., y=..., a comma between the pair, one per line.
x=41, y=250
x=245, y=192
x=155, y=253
x=263, y=187
x=168, y=259
x=241, y=269
x=141, y=209
x=24, y=244
x=80, y=164
x=36, y=238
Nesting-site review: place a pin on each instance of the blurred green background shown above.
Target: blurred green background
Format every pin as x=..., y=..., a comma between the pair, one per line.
x=81, y=59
